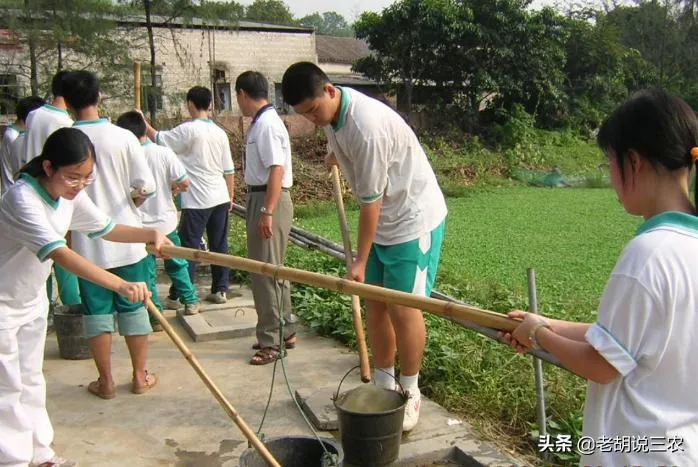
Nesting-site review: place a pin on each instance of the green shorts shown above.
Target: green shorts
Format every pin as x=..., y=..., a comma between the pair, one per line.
x=100, y=305
x=408, y=267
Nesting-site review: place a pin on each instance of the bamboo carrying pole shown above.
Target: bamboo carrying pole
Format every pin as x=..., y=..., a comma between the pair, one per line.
x=227, y=406
x=137, y=84
x=442, y=308
x=349, y=259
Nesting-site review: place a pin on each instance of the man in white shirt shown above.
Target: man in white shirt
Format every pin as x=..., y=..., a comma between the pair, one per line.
x=121, y=169
x=268, y=176
x=40, y=124
x=14, y=142
x=204, y=149
x=160, y=213
x=47, y=119
x=402, y=216
x=10, y=134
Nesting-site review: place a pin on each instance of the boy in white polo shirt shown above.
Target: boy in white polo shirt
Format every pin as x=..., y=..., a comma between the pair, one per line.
x=402, y=217
x=121, y=169
x=47, y=119
x=204, y=150
x=160, y=212
x=268, y=175
x=638, y=355
x=13, y=148
x=40, y=124
x=11, y=133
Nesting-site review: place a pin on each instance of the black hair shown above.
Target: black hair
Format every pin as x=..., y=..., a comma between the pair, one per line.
x=133, y=122
x=63, y=147
x=57, y=83
x=661, y=128
x=301, y=81
x=27, y=105
x=81, y=89
x=254, y=84
x=200, y=97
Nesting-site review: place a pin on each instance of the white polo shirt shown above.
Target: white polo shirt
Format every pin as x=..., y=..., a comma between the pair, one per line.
x=32, y=225
x=40, y=124
x=647, y=329
x=121, y=167
x=380, y=157
x=268, y=144
x=204, y=150
x=160, y=212
x=11, y=157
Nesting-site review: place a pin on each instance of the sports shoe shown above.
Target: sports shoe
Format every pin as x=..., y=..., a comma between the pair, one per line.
x=218, y=298
x=414, y=401
x=172, y=304
x=191, y=309
x=55, y=462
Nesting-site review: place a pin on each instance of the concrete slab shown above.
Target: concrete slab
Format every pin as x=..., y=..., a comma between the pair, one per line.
x=237, y=318
x=221, y=323
x=439, y=436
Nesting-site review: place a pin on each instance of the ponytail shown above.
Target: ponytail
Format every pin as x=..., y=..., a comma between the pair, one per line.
x=34, y=167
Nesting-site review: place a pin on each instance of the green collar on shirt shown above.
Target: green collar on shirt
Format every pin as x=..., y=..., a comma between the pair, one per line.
x=207, y=120
x=16, y=128
x=40, y=189
x=53, y=108
x=99, y=121
x=671, y=218
x=147, y=142
x=343, y=110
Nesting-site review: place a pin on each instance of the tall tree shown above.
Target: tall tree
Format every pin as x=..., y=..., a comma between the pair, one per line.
x=269, y=11
x=329, y=23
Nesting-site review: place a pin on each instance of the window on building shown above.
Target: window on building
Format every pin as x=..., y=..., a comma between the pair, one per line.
x=222, y=90
x=9, y=93
x=151, y=95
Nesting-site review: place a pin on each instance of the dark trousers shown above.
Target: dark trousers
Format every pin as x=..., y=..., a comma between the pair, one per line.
x=214, y=221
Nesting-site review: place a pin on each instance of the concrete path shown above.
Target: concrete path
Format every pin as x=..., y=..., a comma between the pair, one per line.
x=179, y=423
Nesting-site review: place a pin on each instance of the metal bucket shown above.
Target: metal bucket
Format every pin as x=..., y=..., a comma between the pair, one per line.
x=370, y=423
x=294, y=451
x=68, y=324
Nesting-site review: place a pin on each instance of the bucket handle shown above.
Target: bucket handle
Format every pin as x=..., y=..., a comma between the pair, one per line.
x=336, y=395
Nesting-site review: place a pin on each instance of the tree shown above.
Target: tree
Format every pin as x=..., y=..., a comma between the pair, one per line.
x=330, y=23
x=412, y=41
x=269, y=11
x=69, y=34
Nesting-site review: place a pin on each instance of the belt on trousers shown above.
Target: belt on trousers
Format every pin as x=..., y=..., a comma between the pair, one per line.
x=260, y=188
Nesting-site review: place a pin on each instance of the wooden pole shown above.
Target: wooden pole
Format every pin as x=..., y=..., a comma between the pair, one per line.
x=137, y=84
x=443, y=308
x=227, y=406
x=349, y=259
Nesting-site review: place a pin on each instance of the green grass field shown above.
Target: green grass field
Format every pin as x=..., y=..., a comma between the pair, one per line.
x=571, y=237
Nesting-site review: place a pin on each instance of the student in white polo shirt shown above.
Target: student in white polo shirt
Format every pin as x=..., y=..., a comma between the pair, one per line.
x=47, y=119
x=35, y=215
x=160, y=212
x=13, y=151
x=402, y=216
x=638, y=355
x=11, y=133
x=122, y=170
x=268, y=175
x=40, y=124
x=204, y=149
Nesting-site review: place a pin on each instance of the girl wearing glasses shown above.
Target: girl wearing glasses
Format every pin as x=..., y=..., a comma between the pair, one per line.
x=35, y=215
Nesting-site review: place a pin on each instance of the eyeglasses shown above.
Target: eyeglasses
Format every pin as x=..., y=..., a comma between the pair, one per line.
x=75, y=182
